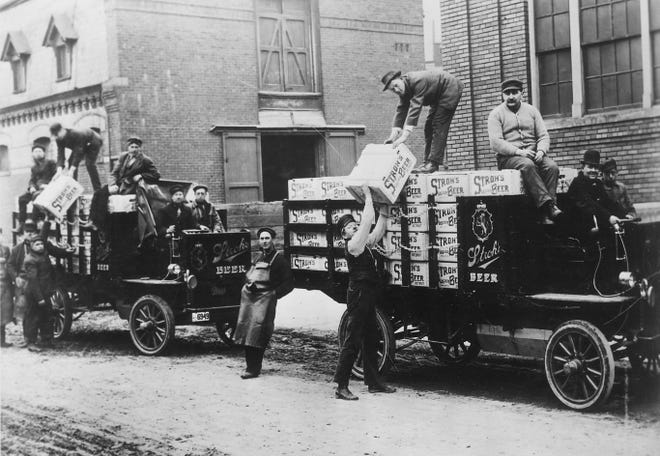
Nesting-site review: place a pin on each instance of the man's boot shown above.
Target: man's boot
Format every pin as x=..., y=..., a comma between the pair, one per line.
x=3, y=342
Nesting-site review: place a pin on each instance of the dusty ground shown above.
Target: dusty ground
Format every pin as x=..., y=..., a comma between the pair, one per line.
x=95, y=396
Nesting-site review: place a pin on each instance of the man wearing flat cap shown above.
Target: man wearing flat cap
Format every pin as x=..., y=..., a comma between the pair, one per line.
x=438, y=89
x=269, y=279
x=364, y=292
x=591, y=205
x=204, y=212
x=132, y=168
x=175, y=216
x=616, y=190
x=41, y=174
x=518, y=136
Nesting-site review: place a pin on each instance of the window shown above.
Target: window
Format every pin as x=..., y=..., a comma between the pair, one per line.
x=284, y=30
x=612, y=53
x=591, y=55
x=18, y=69
x=4, y=159
x=553, y=47
x=61, y=36
x=16, y=51
x=63, y=61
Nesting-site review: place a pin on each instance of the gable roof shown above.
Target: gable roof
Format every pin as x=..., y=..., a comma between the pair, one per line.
x=15, y=43
x=62, y=24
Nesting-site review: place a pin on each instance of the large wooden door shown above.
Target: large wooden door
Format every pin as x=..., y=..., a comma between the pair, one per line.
x=242, y=152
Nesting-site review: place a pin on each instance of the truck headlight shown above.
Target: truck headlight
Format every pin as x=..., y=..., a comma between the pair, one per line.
x=174, y=269
x=191, y=282
x=626, y=278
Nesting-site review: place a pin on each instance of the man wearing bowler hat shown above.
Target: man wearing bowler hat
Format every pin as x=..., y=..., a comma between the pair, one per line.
x=175, y=216
x=518, y=136
x=438, y=89
x=591, y=206
x=204, y=212
x=84, y=143
x=617, y=191
x=268, y=280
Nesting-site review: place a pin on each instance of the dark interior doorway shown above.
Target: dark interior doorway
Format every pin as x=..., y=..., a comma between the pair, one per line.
x=285, y=157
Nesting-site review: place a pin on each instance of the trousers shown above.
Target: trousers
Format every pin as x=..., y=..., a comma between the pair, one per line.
x=361, y=334
x=254, y=357
x=436, y=131
x=38, y=320
x=540, y=179
x=91, y=155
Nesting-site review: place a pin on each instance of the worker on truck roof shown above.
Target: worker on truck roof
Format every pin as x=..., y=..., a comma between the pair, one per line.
x=364, y=291
x=519, y=138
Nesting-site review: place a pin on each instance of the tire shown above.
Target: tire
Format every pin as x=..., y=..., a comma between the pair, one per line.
x=62, y=313
x=462, y=347
x=151, y=324
x=579, y=365
x=386, y=344
x=226, y=332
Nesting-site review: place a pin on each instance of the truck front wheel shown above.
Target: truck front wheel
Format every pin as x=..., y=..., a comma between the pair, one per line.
x=151, y=324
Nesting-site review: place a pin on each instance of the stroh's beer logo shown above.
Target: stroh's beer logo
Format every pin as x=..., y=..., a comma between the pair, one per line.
x=482, y=222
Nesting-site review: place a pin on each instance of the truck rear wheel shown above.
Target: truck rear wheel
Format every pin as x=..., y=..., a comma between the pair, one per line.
x=151, y=324
x=386, y=344
x=62, y=313
x=579, y=365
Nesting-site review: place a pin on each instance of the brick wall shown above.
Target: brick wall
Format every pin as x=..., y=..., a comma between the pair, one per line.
x=488, y=42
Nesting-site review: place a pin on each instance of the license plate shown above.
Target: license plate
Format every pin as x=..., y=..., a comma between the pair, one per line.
x=201, y=316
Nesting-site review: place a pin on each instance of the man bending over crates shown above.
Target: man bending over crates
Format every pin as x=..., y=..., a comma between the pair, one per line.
x=519, y=138
x=85, y=144
x=364, y=291
x=439, y=90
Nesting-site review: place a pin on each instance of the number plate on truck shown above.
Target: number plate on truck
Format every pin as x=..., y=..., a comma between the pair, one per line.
x=201, y=316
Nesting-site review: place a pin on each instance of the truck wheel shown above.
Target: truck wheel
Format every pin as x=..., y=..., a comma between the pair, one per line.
x=62, y=313
x=226, y=332
x=151, y=324
x=579, y=365
x=462, y=347
x=386, y=344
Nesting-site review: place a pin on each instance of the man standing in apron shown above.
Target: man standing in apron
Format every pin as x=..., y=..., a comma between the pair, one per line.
x=268, y=279
x=364, y=291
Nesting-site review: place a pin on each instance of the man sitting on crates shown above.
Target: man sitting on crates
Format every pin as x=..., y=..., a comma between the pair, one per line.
x=131, y=169
x=519, y=138
x=364, y=291
x=41, y=174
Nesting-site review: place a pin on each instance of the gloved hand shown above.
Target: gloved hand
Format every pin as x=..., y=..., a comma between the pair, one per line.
x=252, y=287
x=396, y=131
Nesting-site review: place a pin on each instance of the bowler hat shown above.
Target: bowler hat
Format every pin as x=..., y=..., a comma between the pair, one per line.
x=55, y=128
x=198, y=186
x=343, y=221
x=176, y=188
x=267, y=230
x=512, y=84
x=134, y=140
x=388, y=78
x=591, y=157
x=609, y=165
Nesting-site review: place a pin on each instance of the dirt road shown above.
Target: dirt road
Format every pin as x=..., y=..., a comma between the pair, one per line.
x=95, y=396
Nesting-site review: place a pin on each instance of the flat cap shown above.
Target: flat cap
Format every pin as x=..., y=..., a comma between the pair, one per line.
x=198, y=186
x=176, y=188
x=134, y=140
x=267, y=230
x=512, y=84
x=343, y=221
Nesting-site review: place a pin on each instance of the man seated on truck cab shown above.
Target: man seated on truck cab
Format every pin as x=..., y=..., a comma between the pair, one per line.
x=175, y=216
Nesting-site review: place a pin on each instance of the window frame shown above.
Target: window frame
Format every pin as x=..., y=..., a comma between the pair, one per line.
x=62, y=62
x=579, y=109
x=18, y=64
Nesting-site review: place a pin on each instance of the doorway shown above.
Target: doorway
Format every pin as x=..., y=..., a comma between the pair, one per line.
x=285, y=157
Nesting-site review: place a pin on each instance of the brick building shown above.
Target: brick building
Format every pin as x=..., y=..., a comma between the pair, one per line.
x=592, y=67
x=239, y=94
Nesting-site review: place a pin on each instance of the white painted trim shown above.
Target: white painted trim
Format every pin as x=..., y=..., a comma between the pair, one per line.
x=533, y=83
x=647, y=55
x=577, y=108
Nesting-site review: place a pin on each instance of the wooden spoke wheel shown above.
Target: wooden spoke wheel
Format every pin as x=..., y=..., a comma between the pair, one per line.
x=386, y=344
x=62, y=313
x=151, y=324
x=226, y=332
x=461, y=348
x=579, y=365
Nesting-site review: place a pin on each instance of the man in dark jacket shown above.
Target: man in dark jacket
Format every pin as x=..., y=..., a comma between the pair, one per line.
x=175, y=216
x=616, y=190
x=132, y=167
x=438, y=89
x=41, y=174
x=204, y=212
x=84, y=143
x=592, y=208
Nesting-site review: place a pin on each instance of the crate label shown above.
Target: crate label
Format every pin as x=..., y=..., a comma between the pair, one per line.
x=417, y=216
x=446, y=217
x=445, y=187
x=447, y=275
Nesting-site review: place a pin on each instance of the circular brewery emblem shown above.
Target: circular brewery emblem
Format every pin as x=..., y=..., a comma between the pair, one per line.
x=482, y=222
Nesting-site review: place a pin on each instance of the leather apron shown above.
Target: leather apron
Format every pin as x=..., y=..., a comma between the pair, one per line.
x=256, y=317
